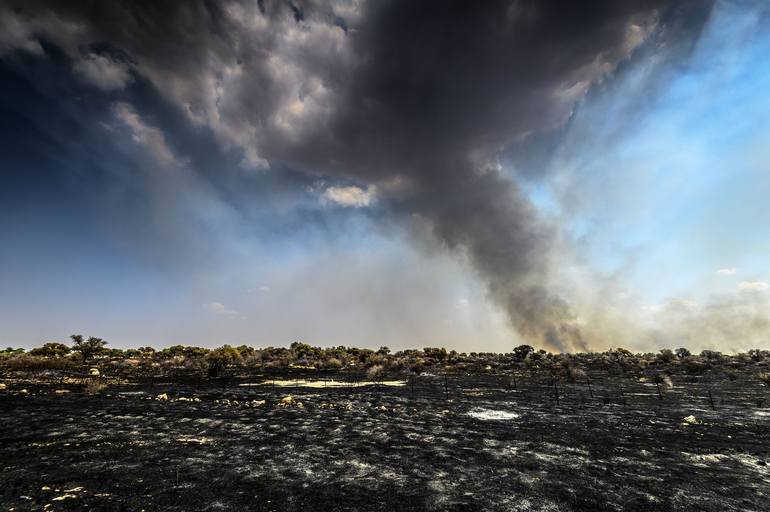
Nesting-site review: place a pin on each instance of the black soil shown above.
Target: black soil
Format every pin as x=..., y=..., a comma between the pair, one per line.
x=429, y=447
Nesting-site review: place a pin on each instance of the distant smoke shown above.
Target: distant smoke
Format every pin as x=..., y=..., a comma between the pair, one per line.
x=417, y=99
x=434, y=107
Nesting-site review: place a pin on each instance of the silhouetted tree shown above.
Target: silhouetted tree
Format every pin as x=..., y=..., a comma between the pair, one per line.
x=87, y=348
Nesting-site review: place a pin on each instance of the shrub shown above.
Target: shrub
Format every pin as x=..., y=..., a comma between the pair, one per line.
x=375, y=373
x=10, y=351
x=95, y=386
x=30, y=363
x=51, y=349
x=662, y=378
x=575, y=374
x=666, y=355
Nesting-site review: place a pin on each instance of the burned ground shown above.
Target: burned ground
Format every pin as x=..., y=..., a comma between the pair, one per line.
x=467, y=443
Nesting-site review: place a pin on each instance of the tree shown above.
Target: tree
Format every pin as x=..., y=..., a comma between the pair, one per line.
x=245, y=351
x=522, y=351
x=682, y=353
x=146, y=352
x=301, y=350
x=51, y=349
x=219, y=358
x=435, y=353
x=87, y=348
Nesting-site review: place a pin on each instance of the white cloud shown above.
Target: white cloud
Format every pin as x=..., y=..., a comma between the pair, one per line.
x=731, y=271
x=220, y=309
x=103, y=72
x=753, y=285
x=354, y=197
x=148, y=136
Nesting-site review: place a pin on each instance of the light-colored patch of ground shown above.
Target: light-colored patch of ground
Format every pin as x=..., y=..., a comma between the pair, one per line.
x=562, y=449
x=705, y=458
x=194, y=440
x=491, y=414
x=750, y=462
x=527, y=505
x=324, y=383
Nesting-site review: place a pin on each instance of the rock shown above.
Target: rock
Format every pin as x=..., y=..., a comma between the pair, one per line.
x=3, y=386
x=287, y=400
x=382, y=408
x=45, y=488
x=187, y=399
x=690, y=420
x=94, y=372
x=162, y=396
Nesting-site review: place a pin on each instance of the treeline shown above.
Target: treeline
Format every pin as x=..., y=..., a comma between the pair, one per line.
x=86, y=352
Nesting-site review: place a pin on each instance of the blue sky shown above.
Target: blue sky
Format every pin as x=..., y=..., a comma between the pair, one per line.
x=681, y=190
x=149, y=198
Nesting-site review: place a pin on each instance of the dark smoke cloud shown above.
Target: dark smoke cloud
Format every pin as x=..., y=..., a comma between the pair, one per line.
x=419, y=99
